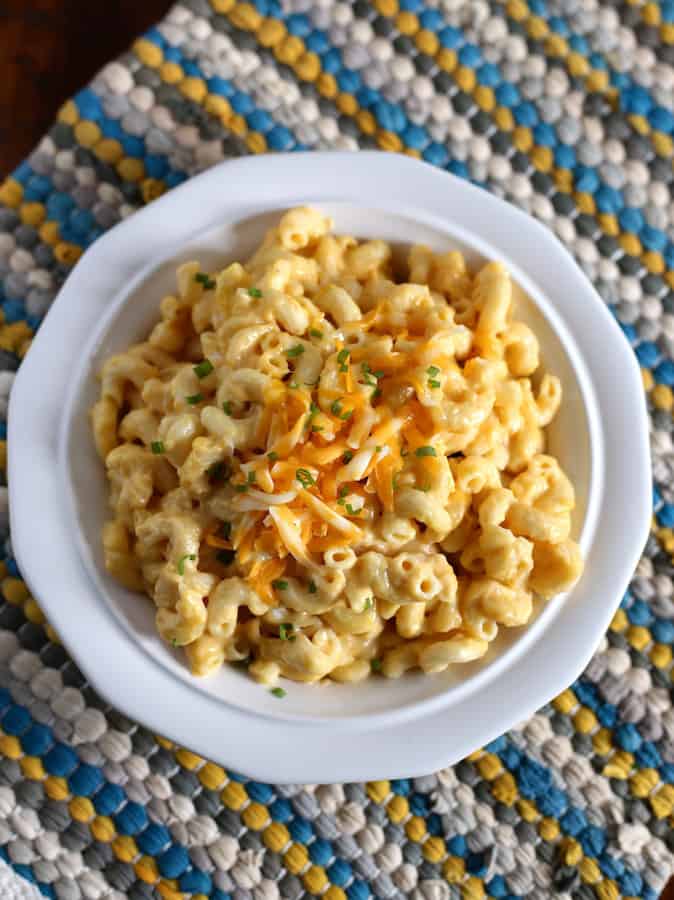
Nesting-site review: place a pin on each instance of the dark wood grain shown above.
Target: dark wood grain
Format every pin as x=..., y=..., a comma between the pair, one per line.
x=49, y=49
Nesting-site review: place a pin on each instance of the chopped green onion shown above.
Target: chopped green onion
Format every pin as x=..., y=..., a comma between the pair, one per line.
x=314, y=332
x=219, y=471
x=285, y=632
x=432, y=371
x=205, y=279
x=369, y=603
x=181, y=562
x=433, y=383
x=255, y=292
x=375, y=665
x=347, y=457
x=376, y=393
x=425, y=451
x=305, y=477
x=342, y=357
x=278, y=692
x=313, y=411
x=336, y=410
x=297, y=350
x=341, y=494
x=351, y=511
x=294, y=384
x=226, y=557
x=157, y=447
x=273, y=456
x=368, y=375
x=312, y=587
x=193, y=399
x=174, y=642
x=241, y=488
x=280, y=585
x=204, y=368
x=227, y=407
x=378, y=448
x=317, y=428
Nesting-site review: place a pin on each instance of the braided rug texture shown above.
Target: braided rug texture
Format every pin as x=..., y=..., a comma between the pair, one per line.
x=562, y=107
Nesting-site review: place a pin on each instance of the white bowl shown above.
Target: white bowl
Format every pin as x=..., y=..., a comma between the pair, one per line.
x=335, y=732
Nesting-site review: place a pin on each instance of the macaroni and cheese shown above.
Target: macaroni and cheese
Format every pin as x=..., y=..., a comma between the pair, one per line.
x=321, y=470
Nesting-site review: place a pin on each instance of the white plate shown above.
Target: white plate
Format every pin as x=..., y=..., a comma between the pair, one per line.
x=381, y=728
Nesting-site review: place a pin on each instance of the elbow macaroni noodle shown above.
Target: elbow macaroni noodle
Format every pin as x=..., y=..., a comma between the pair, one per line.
x=322, y=471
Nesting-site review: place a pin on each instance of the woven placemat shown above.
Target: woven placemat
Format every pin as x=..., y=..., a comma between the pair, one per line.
x=564, y=108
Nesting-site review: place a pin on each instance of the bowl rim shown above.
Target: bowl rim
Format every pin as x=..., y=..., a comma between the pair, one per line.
x=409, y=184
x=414, y=708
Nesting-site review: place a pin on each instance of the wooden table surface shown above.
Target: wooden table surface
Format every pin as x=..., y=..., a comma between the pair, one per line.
x=51, y=48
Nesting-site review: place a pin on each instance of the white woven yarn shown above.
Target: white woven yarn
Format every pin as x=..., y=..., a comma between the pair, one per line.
x=12, y=887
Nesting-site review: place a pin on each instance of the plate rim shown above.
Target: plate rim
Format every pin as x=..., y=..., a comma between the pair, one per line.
x=355, y=170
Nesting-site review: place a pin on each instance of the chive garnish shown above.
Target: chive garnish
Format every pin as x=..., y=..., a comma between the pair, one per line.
x=204, y=368
x=336, y=410
x=342, y=357
x=255, y=292
x=305, y=477
x=181, y=562
x=297, y=350
x=193, y=399
x=425, y=451
x=280, y=585
x=205, y=279
x=314, y=332
x=313, y=411
x=312, y=587
x=278, y=692
x=157, y=447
